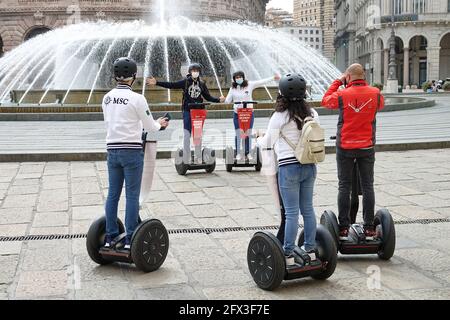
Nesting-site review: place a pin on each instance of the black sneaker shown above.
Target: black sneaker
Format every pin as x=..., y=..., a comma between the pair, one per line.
x=127, y=245
x=108, y=241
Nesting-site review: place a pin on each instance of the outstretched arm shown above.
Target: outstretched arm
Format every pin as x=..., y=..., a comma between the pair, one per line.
x=168, y=85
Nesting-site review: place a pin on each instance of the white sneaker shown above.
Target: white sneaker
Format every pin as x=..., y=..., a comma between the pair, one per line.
x=250, y=158
x=290, y=260
x=239, y=158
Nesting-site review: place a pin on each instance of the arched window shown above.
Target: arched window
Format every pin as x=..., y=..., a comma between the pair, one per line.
x=35, y=32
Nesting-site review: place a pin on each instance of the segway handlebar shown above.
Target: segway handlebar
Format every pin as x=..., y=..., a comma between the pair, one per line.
x=198, y=106
x=246, y=103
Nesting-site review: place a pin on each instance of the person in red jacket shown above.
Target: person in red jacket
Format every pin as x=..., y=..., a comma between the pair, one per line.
x=358, y=105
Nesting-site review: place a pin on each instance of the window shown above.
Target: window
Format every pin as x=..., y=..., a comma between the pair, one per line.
x=301, y=31
x=448, y=6
x=419, y=6
x=317, y=40
x=398, y=6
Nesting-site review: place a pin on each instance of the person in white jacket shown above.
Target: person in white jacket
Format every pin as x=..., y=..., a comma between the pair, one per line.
x=241, y=91
x=296, y=181
x=126, y=115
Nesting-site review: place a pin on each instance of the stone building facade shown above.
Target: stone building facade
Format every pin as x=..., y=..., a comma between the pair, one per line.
x=23, y=19
x=318, y=14
x=422, y=38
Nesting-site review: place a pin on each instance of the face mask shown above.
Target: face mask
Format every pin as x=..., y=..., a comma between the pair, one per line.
x=239, y=81
x=195, y=75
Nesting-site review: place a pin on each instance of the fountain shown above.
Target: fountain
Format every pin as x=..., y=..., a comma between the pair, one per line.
x=72, y=65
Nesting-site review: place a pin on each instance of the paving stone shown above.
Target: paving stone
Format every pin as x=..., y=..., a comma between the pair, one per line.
x=193, y=261
x=193, y=198
x=87, y=212
x=219, y=222
x=86, y=200
x=36, y=284
x=23, y=190
x=15, y=216
x=10, y=248
x=170, y=292
x=181, y=222
x=8, y=266
x=19, y=201
x=252, y=217
x=427, y=201
x=210, y=182
x=51, y=219
x=401, y=277
x=183, y=187
x=56, y=255
x=53, y=200
x=221, y=193
x=170, y=273
x=104, y=290
x=413, y=212
x=211, y=278
x=14, y=230
x=161, y=196
x=237, y=203
x=428, y=294
x=85, y=187
x=397, y=189
x=168, y=209
x=49, y=231
x=207, y=211
x=426, y=259
x=25, y=182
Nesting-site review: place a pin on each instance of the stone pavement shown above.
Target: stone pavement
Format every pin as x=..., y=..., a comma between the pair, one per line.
x=64, y=198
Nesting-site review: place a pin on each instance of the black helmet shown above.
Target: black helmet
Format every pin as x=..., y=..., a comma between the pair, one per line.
x=196, y=66
x=125, y=68
x=238, y=74
x=293, y=86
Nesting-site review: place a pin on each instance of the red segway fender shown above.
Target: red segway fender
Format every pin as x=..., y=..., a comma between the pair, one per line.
x=245, y=119
x=198, y=117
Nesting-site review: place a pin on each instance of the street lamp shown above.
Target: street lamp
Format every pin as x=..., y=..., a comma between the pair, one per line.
x=392, y=81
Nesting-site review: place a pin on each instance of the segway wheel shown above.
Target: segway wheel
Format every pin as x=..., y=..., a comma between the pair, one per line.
x=211, y=168
x=209, y=156
x=149, y=245
x=96, y=239
x=258, y=166
x=180, y=166
x=266, y=261
x=327, y=252
x=385, y=228
x=329, y=221
x=229, y=159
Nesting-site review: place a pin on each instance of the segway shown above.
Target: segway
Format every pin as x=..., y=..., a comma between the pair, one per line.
x=382, y=244
x=150, y=241
x=244, y=116
x=207, y=155
x=267, y=263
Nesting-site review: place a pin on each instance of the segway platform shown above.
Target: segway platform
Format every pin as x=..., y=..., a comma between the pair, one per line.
x=267, y=264
x=383, y=243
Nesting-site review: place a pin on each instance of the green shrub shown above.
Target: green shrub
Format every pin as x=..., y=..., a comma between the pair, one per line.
x=426, y=86
x=446, y=86
x=378, y=85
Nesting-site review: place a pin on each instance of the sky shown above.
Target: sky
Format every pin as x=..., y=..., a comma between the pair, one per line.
x=284, y=4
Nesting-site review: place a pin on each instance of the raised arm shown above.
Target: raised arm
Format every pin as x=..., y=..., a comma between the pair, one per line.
x=331, y=98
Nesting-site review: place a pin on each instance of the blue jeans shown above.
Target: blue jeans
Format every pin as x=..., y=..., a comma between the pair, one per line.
x=187, y=125
x=124, y=165
x=296, y=184
x=238, y=139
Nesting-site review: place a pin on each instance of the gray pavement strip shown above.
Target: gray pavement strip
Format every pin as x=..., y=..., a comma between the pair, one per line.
x=195, y=231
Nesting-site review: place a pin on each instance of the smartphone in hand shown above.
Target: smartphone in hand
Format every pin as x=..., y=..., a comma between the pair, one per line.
x=168, y=117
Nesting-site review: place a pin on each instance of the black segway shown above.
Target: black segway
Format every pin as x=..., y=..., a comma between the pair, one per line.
x=150, y=240
x=267, y=264
x=244, y=115
x=207, y=156
x=382, y=244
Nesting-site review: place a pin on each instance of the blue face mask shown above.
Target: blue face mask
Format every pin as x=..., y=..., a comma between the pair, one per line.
x=239, y=81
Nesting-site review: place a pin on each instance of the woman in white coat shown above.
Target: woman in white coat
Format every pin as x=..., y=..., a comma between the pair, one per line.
x=240, y=91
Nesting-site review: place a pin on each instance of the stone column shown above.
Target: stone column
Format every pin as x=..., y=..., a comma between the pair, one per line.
x=406, y=67
x=386, y=65
x=377, y=66
x=433, y=63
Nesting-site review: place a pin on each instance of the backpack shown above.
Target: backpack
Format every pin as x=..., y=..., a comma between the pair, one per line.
x=311, y=146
